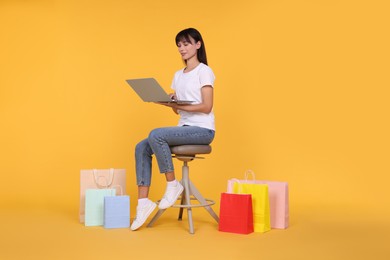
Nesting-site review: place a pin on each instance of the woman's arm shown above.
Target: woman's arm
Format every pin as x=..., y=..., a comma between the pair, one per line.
x=205, y=107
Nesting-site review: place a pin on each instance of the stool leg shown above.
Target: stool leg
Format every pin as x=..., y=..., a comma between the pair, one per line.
x=182, y=201
x=187, y=196
x=202, y=200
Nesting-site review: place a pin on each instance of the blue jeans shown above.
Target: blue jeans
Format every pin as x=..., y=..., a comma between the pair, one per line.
x=159, y=142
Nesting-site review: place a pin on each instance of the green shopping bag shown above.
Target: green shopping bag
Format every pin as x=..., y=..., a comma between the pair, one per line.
x=260, y=202
x=94, y=205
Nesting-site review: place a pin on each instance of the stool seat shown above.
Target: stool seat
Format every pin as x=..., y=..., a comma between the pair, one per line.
x=191, y=149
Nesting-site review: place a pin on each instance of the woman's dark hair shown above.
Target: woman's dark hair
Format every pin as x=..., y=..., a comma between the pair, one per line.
x=185, y=35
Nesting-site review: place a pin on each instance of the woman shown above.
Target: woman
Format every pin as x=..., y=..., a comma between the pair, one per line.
x=196, y=124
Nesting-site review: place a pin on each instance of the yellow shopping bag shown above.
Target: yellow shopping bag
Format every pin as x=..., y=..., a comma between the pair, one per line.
x=260, y=202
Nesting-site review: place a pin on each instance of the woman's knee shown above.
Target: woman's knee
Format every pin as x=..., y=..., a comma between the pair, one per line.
x=141, y=147
x=155, y=135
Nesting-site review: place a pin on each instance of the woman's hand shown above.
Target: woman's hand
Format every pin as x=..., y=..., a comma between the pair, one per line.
x=172, y=96
x=171, y=105
x=167, y=104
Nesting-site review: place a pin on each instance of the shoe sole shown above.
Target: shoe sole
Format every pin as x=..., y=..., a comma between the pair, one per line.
x=147, y=215
x=177, y=195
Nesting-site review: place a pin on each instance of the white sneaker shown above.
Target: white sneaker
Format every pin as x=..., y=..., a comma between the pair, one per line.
x=142, y=215
x=170, y=196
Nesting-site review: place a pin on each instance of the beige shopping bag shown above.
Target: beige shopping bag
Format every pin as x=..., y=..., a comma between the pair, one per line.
x=99, y=179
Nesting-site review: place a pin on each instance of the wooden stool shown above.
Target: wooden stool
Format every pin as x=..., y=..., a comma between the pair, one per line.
x=187, y=153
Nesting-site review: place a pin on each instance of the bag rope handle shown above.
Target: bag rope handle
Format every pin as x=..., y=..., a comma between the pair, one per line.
x=108, y=183
x=97, y=182
x=239, y=186
x=120, y=188
x=250, y=172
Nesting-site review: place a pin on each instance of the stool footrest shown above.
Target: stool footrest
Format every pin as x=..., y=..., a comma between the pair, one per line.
x=210, y=203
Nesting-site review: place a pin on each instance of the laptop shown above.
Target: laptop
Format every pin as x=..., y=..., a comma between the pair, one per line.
x=149, y=90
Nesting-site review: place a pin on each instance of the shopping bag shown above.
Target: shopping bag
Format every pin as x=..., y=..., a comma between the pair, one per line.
x=278, y=198
x=97, y=179
x=236, y=215
x=260, y=202
x=117, y=211
x=94, y=205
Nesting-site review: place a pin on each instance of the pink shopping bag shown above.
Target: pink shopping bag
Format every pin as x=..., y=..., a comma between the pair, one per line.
x=278, y=199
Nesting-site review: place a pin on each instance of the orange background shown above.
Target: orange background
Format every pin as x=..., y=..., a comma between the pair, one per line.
x=301, y=96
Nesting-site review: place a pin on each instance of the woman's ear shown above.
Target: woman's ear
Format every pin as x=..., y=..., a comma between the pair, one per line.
x=198, y=44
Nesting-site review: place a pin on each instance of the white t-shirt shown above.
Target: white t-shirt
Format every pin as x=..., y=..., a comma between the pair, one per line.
x=187, y=86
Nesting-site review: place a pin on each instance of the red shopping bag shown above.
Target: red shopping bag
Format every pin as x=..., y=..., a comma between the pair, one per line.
x=236, y=214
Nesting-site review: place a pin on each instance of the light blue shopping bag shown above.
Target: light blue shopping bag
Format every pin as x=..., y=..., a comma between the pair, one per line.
x=117, y=211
